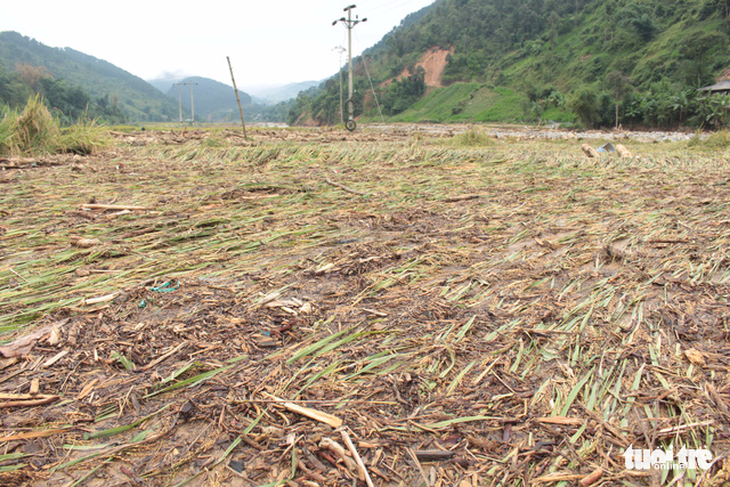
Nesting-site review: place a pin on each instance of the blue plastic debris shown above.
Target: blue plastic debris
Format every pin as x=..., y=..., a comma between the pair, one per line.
x=606, y=148
x=166, y=287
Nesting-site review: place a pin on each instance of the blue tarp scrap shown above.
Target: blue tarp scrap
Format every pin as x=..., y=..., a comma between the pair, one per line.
x=165, y=287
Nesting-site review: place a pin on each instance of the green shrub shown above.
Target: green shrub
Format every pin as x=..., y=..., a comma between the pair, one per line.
x=586, y=105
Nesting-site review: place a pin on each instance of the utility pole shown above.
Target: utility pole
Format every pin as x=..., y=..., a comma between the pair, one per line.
x=341, y=49
x=192, y=105
x=350, y=24
x=179, y=100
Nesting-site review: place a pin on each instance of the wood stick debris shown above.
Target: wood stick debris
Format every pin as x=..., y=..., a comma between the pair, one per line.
x=338, y=450
x=95, y=206
x=320, y=416
x=344, y=188
x=364, y=475
x=26, y=400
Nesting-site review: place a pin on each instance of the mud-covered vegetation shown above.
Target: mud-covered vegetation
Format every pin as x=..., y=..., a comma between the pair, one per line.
x=402, y=306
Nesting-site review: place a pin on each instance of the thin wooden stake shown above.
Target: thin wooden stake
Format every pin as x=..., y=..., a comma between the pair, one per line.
x=238, y=99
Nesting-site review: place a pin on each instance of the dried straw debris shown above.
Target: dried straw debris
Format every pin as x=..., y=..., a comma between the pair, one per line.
x=486, y=316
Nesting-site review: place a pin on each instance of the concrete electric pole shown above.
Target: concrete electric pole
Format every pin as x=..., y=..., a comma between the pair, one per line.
x=179, y=100
x=350, y=24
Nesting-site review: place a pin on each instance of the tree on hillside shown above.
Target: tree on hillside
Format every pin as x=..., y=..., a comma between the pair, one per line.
x=553, y=20
x=639, y=18
x=710, y=7
x=586, y=105
x=71, y=101
x=32, y=75
x=13, y=92
x=617, y=83
x=403, y=93
x=696, y=52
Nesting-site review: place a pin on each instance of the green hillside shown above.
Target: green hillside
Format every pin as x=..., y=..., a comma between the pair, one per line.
x=532, y=60
x=81, y=75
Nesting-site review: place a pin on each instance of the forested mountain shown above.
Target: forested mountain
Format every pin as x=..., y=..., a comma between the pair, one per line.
x=69, y=79
x=278, y=94
x=537, y=59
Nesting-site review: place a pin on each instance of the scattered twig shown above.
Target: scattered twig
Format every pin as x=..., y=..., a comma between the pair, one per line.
x=338, y=450
x=320, y=416
x=165, y=356
x=420, y=467
x=434, y=455
x=345, y=188
x=561, y=420
x=34, y=434
x=592, y=478
x=684, y=427
x=94, y=206
x=463, y=197
x=557, y=477
x=26, y=400
x=364, y=475
x=54, y=359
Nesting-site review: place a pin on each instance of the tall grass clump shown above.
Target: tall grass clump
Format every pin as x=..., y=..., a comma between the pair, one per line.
x=5, y=121
x=472, y=138
x=35, y=131
x=83, y=138
x=717, y=140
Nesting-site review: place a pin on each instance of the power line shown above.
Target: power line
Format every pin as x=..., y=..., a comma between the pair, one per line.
x=375, y=95
x=340, y=50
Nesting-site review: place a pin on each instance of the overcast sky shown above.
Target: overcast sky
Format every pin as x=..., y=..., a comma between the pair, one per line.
x=270, y=42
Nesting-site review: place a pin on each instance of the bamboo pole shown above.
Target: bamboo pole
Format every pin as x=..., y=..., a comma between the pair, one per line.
x=238, y=98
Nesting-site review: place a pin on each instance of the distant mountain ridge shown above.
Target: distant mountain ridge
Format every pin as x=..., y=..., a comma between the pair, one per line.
x=99, y=78
x=213, y=101
x=277, y=94
x=141, y=100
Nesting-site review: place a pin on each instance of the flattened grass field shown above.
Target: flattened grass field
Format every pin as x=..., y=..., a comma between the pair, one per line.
x=389, y=307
